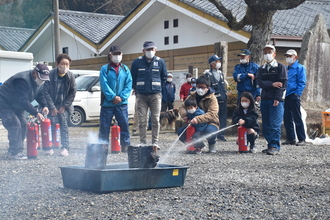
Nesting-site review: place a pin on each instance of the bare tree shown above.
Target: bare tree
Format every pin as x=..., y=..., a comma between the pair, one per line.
x=259, y=14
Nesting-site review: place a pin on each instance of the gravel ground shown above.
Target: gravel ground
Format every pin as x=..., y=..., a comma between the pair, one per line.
x=292, y=185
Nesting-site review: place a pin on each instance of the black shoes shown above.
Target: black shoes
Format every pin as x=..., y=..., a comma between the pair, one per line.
x=289, y=142
x=301, y=143
x=222, y=139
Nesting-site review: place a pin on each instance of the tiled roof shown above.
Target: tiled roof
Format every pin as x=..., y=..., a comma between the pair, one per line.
x=93, y=26
x=293, y=22
x=12, y=38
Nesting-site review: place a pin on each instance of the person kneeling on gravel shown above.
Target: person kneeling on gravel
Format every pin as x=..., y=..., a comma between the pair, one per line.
x=206, y=101
x=246, y=115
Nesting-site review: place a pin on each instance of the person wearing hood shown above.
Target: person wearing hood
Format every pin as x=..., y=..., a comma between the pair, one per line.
x=60, y=92
x=16, y=95
x=245, y=76
x=149, y=76
x=219, y=84
x=116, y=86
x=206, y=101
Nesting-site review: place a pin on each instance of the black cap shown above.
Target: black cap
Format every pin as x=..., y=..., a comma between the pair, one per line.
x=43, y=71
x=115, y=49
x=148, y=45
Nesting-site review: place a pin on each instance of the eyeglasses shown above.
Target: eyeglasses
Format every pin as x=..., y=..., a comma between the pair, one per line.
x=201, y=87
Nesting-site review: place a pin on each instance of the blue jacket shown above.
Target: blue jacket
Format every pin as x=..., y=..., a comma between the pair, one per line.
x=113, y=84
x=244, y=82
x=148, y=77
x=201, y=126
x=168, y=92
x=296, y=79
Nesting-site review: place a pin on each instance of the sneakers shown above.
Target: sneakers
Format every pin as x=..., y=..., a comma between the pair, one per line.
x=253, y=150
x=156, y=145
x=212, y=148
x=18, y=156
x=272, y=151
x=64, y=152
x=300, y=143
x=198, y=151
x=49, y=152
x=289, y=142
x=222, y=139
x=265, y=150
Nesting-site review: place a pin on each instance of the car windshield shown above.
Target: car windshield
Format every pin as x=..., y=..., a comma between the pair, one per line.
x=83, y=83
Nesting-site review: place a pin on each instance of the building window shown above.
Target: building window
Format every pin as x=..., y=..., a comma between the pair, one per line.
x=166, y=24
x=65, y=50
x=176, y=23
x=175, y=39
x=166, y=40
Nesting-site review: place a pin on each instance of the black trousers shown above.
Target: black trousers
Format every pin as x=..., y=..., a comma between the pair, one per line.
x=15, y=123
x=222, y=117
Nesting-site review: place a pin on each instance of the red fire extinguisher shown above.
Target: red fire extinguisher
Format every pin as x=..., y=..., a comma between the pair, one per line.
x=115, y=136
x=32, y=140
x=189, y=134
x=242, y=140
x=46, y=134
x=57, y=136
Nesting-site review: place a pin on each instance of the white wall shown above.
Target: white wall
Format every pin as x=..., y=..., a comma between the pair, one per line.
x=191, y=33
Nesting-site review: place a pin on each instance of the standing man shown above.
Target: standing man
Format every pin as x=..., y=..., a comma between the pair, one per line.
x=219, y=84
x=245, y=76
x=16, y=95
x=296, y=86
x=60, y=92
x=272, y=79
x=168, y=94
x=185, y=88
x=149, y=76
x=116, y=87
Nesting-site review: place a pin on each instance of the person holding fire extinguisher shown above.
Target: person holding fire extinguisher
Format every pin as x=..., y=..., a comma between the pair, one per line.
x=16, y=95
x=60, y=92
x=116, y=87
x=246, y=115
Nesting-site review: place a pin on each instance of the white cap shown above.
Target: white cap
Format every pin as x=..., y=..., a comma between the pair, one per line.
x=291, y=52
x=169, y=75
x=270, y=46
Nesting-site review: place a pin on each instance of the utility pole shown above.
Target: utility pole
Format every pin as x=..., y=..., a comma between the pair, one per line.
x=56, y=28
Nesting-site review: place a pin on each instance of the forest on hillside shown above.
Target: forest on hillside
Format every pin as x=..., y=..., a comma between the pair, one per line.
x=31, y=13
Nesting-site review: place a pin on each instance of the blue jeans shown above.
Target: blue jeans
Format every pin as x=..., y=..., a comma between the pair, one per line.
x=272, y=117
x=121, y=115
x=208, y=130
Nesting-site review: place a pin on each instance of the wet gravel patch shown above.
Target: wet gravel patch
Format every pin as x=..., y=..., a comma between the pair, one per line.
x=227, y=185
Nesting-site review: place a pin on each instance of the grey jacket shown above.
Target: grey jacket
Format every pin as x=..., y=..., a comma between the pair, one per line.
x=51, y=93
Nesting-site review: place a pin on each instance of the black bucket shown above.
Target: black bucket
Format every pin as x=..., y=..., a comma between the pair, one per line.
x=142, y=156
x=96, y=156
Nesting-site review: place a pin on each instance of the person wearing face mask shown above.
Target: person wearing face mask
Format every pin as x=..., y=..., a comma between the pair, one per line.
x=116, y=87
x=296, y=86
x=272, y=79
x=149, y=76
x=60, y=92
x=246, y=115
x=168, y=94
x=16, y=95
x=207, y=102
x=219, y=84
x=185, y=87
x=245, y=76
x=193, y=85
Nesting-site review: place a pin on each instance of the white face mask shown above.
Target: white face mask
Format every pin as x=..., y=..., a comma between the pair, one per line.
x=245, y=104
x=150, y=54
x=63, y=70
x=39, y=81
x=169, y=79
x=218, y=66
x=289, y=60
x=117, y=58
x=243, y=61
x=268, y=57
x=188, y=80
x=191, y=111
x=201, y=92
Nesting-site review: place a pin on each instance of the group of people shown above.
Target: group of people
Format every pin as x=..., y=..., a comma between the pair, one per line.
x=277, y=86
x=54, y=90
